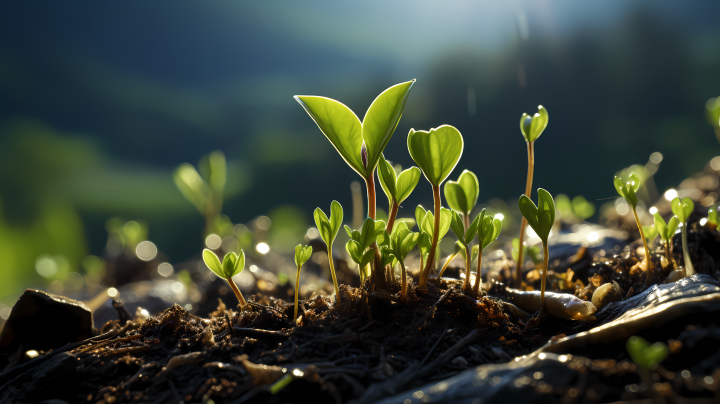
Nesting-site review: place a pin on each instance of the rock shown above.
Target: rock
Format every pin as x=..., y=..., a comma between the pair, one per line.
x=606, y=294
x=43, y=321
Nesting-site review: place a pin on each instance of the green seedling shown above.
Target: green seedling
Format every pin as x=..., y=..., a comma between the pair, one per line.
x=457, y=249
x=541, y=218
x=531, y=252
x=466, y=236
x=628, y=190
x=436, y=152
x=531, y=128
x=666, y=232
x=646, y=356
x=402, y=241
x=488, y=231
x=682, y=208
x=462, y=195
x=650, y=233
x=358, y=247
x=712, y=112
x=396, y=187
x=328, y=229
x=232, y=264
x=712, y=219
x=427, y=227
x=302, y=255
x=204, y=189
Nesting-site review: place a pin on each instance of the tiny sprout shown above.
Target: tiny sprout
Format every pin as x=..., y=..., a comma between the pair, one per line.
x=541, y=218
x=436, y=152
x=488, y=231
x=666, y=232
x=402, y=241
x=628, y=190
x=531, y=128
x=462, y=195
x=204, y=189
x=682, y=208
x=361, y=240
x=646, y=356
x=650, y=233
x=396, y=187
x=466, y=237
x=231, y=265
x=328, y=229
x=302, y=254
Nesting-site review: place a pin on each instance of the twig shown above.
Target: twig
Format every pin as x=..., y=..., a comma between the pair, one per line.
x=258, y=333
x=433, y=347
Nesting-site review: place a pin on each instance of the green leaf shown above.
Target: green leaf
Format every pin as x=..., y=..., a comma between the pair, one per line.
x=672, y=226
x=489, y=230
x=529, y=211
x=387, y=257
x=328, y=228
x=214, y=169
x=582, y=208
x=428, y=222
x=213, y=262
x=533, y=126
x=462, y=194
x=682, y=208
x=340, y=125
x=336, y=217
x=456, y=225
x=650, y=232
x=645, y=355
x=367, y=258
x=302, y=254
x=355, y=250
x=382, y=118
x=192, y=186
x=541, y=217
x=228, y=264
x=436, y=152
x=661, y=227
x=406, y=183
x=473, y=228
x=424, y=243
x=239, y=263
x=627, y=189
x=419, y=215
x=349, y=231
x=388, y=179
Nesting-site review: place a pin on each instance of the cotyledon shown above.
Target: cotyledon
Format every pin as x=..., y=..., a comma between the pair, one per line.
x=562, y=305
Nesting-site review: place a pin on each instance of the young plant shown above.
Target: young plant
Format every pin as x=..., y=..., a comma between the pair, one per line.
x=302, y=254
x=436, y=152
x=541, y=218
x=531, y=128
x=488, y=231
x=231, y=265
x=204, y=189
x=396, y=187
x=646, y=356
x=328, y=229
x=666, y=232
x=427, y=227
x=627, y=190
x=462, y=195
x=360, y=242
x=682, y=208
x=402, y=241
x=650, y=233
x=466, y=236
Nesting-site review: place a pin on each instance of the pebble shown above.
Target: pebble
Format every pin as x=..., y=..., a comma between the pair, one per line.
x=460, y=362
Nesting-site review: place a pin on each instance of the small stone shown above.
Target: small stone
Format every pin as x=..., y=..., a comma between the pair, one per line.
x=460, y=362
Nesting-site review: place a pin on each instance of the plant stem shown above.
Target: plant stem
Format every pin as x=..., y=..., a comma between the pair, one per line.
x=468, y=264
x=668, y=246
x=370, y=183
x=391, y=217
x=332, y=271
x=523, y=225
x=297, y=288
x=546, y=259
x=477, y=271
x=466, y=220
x=689, y=269
x=436, y=234
x=447, y=263
x=235, y=289
x=403, y=290
x=648, y=263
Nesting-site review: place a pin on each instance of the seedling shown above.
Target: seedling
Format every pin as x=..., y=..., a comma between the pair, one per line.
x=328, y=229
x=462, y=195
x=231, y=265
x=531, y=128
x=436, y=152
x=204, y=189
x=302, y=254
x=396, y=187
x=427, y=227
x=402, y=241
x=360, y=242
x=650, y=232
x=666, y=232
x=682, y=208
x=541, y=218
x=627, y=189
x=466, y=236
x=488, y=231
x=646, y=356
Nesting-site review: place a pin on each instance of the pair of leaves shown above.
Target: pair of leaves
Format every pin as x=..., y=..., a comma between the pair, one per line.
x=402, y=241
x=462, y=195
x=645, y=355
x=650, y=232
x=197, y=187
x=328, y=228
x=397, y=187
x=232, y=263
x=458, y=227
x=489, y=229
x=540, y=217
x=302, y=254
x=682, y=208
x=361, y=240
x=348, y=135
x=436, y=152
x=666, y=230
x=627, y=189
x=533, y=126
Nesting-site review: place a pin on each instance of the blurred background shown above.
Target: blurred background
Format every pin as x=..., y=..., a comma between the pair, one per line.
x=101, y=102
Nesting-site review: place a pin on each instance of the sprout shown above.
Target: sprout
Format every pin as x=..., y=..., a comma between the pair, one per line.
x=541, y=218
x=682, y=209
x=396, y=187
x=488, y=231
x=204, y=189
x=402, y=241
x=646, y=356
x=231, y=265
x=650, y=233
x=666, y=232
x=436, y=152
x=462, y=195
x=328, y=229
x=628, y=191
x=531, y=128
x=302, y=254
x=466, y=236
x=427, y=226
x=361, y=240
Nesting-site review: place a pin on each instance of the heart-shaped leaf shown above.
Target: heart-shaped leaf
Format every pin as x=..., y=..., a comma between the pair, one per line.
x=213, y=262
x=436, y=152
x=533, y=126
x=340, y=125
x=645, y=355
x=328, y=228
x=540, y=217
x=302, y=254
x=627, y=189
x=682, y=208
x=406, y=183
x=462, y=195
x=666, y=230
